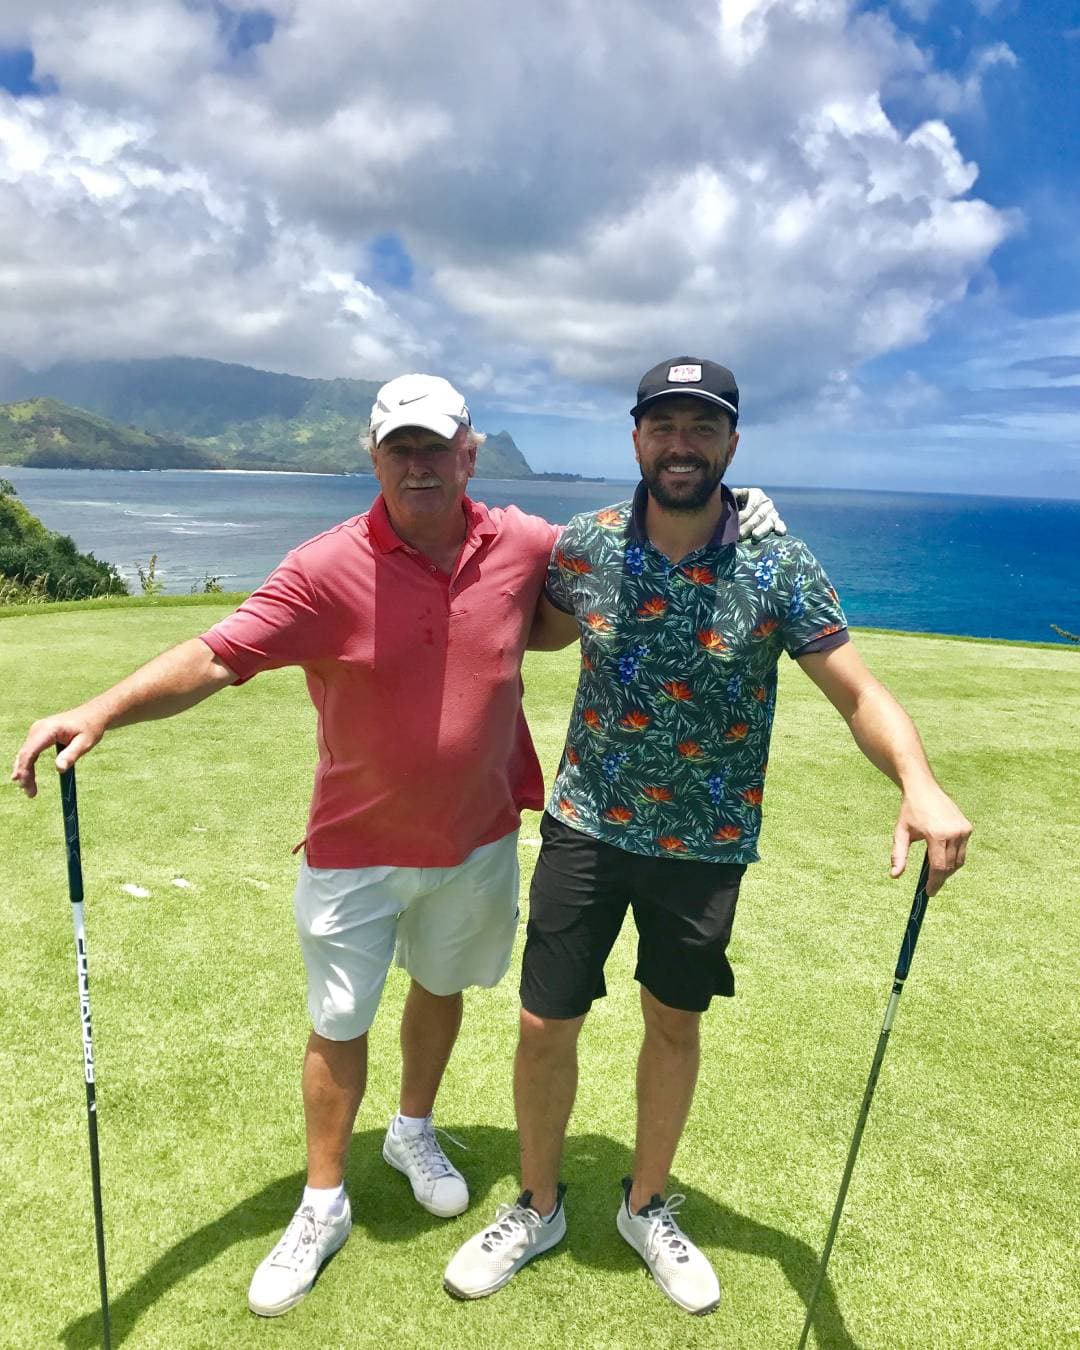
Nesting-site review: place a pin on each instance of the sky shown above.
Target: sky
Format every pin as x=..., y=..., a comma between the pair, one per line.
x=867, y=210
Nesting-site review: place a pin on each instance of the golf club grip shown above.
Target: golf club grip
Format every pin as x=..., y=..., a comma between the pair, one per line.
x=914, y=923
x=71, y=831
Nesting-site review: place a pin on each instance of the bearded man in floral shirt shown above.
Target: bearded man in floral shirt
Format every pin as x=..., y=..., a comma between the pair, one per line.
x=657, y=804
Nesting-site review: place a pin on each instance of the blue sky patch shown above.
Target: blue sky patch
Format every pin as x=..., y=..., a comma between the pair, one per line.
x=389, y=262
x=1020, y=130
x=17, y=73
x=241, y=29
x=252, y=28
x=1054, y=367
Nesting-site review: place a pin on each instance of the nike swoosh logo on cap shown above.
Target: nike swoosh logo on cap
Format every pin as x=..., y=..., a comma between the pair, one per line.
x=402, y=401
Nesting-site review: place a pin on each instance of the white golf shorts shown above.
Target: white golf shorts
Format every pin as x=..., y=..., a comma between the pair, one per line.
x=452, y=926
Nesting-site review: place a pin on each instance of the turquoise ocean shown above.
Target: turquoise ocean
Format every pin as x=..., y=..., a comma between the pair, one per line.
x=981, y=566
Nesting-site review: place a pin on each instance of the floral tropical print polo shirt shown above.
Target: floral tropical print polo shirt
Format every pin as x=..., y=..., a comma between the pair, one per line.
x=668, y=741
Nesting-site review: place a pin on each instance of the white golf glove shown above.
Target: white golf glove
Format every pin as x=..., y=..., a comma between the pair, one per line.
x=757, y=514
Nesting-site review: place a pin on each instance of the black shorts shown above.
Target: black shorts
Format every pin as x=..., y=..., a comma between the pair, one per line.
x=581, y=888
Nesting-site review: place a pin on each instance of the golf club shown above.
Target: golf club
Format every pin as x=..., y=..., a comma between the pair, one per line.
x=75, y=891
x=907, y=951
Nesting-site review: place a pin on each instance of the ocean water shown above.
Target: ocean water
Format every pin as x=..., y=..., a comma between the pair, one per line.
x=981, y=566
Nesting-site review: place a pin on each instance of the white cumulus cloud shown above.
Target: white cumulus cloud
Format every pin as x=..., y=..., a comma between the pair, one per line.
x=582, y=188
x=111, y=250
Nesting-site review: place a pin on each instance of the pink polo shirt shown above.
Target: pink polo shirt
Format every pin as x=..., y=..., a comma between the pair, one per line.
x=424, y=753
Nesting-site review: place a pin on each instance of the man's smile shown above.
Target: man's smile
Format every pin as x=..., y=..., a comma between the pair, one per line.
x=681, y=466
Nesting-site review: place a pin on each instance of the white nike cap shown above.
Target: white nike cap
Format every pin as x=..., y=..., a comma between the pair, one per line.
x=426, y=401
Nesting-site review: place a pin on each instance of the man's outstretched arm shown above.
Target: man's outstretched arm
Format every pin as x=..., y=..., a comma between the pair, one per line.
x=169, y=684
x=887, y=737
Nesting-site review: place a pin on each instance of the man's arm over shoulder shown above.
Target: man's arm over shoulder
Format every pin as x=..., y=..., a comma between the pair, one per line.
x=552, y=628
x=554, y=625
x=170, y=683
x=758, y=516
x=887, y=737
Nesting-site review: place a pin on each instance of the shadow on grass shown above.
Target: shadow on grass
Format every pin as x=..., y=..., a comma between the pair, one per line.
x=383, y=1212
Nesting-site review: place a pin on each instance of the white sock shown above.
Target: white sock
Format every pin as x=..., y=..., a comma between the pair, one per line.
x=327, y=1202
x=409, y=1124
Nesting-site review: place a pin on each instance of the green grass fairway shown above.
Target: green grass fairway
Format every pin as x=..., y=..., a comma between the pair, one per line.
x=961, y=1225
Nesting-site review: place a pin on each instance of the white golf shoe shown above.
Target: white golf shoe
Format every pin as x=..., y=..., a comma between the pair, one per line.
x=493, y=1256
x=436, y=1182
x=286, y=1275
x=680, y=1269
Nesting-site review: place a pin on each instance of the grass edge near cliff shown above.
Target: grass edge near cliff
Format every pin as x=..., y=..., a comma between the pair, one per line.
x=235, y=598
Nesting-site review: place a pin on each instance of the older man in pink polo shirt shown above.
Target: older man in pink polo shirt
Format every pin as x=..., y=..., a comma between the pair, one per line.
x=410, y=623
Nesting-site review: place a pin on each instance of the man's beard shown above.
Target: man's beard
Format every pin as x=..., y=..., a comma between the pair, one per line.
x=689, y=498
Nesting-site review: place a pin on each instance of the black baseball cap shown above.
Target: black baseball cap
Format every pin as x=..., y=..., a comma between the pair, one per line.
x=688, y=376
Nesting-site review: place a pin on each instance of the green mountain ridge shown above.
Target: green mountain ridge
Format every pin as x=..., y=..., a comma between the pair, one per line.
x=42, y=433
x=195, y=413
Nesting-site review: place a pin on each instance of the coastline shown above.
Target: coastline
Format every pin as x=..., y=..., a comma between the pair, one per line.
x=975, y=568
x=268, y=473
x=294, y=473
x=541, y=477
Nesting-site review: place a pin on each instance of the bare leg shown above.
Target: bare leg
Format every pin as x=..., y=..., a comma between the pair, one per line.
x=545, y=1084
x=429, y=1028
x=666, y=1075
x=334, y=1078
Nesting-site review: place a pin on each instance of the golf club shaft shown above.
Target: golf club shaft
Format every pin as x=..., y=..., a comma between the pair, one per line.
x=903, y=965
x=75, y=891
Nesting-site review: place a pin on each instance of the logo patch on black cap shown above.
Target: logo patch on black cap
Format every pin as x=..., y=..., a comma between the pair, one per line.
x=684, y=375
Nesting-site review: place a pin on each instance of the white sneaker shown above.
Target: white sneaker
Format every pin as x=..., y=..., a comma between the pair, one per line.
x=494, y=1256
x=435, y=1181
x=678, y=1267
x=286, y=1275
